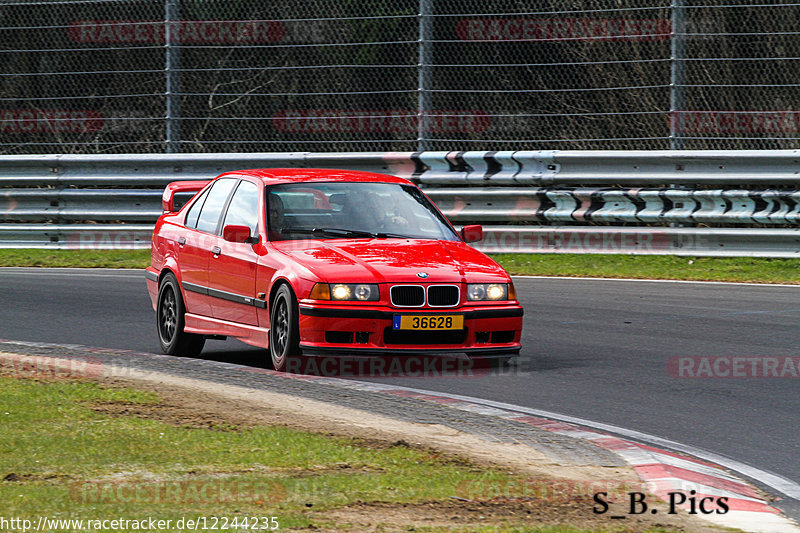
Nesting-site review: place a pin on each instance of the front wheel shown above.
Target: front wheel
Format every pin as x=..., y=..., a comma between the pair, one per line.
x=170, y=321
x=284, y=333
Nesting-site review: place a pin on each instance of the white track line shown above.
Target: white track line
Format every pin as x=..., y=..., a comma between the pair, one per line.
x=128, y=273
x=696, y=282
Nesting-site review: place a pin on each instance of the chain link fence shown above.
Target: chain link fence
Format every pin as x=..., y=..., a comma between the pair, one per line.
x=124, y=76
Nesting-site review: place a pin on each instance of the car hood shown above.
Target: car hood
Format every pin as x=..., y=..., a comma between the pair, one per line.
x=392, y=260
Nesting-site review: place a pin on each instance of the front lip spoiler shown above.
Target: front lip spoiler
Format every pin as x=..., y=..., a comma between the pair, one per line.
x=432, y=352
x=326, y=312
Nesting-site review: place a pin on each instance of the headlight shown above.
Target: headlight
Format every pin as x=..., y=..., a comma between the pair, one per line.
x=487, y=291
x=362, y=292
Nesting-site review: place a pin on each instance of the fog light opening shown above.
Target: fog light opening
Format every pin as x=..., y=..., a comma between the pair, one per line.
x=502, y=337
x=339, y=337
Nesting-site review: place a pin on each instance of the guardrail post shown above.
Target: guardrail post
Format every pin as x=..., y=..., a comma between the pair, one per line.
x=172, y=64
x=677, y=98
x=424, y=73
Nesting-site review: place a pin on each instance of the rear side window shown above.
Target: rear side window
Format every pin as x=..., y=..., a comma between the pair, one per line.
x=212, y=207
x=194, y=211
x=243, y=209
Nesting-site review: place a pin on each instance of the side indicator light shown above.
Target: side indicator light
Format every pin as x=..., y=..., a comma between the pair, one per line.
x=321, y=291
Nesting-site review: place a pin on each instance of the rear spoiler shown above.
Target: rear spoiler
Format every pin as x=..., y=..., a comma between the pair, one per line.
x=168, y=198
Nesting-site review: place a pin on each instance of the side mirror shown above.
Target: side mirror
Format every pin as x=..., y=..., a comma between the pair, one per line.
x=473, y=233
x=236, y=233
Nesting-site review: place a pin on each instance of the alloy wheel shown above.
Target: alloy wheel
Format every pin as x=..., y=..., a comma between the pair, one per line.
x=168, y=315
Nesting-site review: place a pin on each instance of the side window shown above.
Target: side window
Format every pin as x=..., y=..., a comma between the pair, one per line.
x=212, y=208
x=194, y=211
x=243, y=209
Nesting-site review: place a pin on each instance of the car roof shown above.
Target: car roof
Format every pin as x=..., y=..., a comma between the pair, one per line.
x=275, y=176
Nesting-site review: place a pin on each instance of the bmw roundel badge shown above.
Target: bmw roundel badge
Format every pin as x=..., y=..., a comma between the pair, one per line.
x=422, y=275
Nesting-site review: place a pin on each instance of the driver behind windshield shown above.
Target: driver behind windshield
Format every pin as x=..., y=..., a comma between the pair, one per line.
x=368, y=212
x=276, y=219
x=352, y=210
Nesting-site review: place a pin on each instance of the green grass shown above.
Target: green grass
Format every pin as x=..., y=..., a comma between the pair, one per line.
x=74, y=258
x=743, y=269
x=62, y=456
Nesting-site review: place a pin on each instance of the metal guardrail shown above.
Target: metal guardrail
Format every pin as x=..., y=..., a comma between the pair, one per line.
x=743, y=242
x=582, y=202
x=610, y=206
x=461, y=205
x=157, y=170
x=762, y=168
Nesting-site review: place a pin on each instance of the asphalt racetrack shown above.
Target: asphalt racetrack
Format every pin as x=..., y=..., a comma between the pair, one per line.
x=602, y=350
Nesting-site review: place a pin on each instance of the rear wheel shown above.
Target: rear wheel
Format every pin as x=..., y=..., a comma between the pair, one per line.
x=284, y=333
x=170, y=321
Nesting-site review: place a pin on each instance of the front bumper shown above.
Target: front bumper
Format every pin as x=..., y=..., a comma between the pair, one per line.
x=489, y=331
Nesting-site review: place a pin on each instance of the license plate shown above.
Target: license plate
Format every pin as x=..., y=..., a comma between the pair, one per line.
x=428, y=322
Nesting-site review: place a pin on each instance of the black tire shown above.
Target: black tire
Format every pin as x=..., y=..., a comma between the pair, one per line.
x=170, y=321
x=284, y=332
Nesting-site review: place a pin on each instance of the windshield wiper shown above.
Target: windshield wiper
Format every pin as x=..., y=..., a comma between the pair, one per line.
x=342, y=232
x=345, y=232
x=338, y=232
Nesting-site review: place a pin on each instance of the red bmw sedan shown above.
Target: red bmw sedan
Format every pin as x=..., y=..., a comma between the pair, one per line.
x=325, y=262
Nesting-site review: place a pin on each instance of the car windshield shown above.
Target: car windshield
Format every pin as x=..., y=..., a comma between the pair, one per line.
x=331, y=210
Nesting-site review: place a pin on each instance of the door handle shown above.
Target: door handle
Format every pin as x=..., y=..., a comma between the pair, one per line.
x=216, y=250
x=182, y=241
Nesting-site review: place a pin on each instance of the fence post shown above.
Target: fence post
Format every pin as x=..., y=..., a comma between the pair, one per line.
x=171, y=66
x=424, y=72
x=677, y=97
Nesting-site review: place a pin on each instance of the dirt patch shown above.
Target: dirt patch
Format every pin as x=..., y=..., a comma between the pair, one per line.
x=13, y=477
x=388, y=517
x=243, y=407
x=169, y=413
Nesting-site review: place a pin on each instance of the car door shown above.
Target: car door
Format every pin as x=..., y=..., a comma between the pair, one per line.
x=232, y=271
x=195, y=245
x=193, y=261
